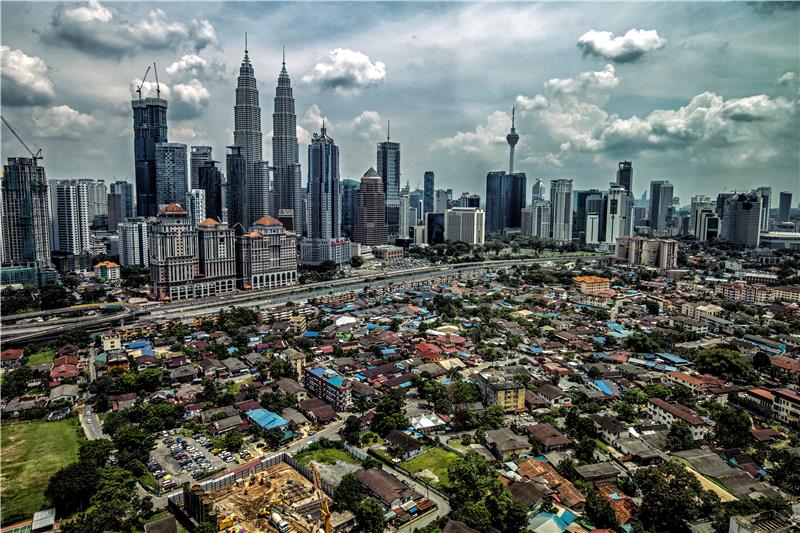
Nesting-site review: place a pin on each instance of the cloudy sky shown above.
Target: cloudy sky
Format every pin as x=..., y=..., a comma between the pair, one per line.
x=702, y=94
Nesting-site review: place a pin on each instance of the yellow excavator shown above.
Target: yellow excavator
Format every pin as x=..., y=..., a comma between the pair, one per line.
x=323, y=501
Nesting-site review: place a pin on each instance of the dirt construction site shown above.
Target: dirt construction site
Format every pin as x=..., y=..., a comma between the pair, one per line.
x=276, y=499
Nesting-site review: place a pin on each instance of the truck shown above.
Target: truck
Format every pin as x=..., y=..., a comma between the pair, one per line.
x=278, y=522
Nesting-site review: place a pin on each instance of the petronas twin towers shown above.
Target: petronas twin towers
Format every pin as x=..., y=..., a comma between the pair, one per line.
x=285, y=203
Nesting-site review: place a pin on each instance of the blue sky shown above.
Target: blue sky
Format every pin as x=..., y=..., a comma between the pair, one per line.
x=703, y=94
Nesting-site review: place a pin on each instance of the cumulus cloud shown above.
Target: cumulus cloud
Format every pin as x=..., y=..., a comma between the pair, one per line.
x=98, y=30
x=367, y=124
x=570, y=119
x=190, y=64
x=346, y=71
x=623, y=49
x=25, y=78
x=186, y=100
x=61, y=122
x=787, y=78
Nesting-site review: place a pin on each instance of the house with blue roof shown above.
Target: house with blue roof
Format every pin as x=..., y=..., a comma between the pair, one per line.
x=266, y=420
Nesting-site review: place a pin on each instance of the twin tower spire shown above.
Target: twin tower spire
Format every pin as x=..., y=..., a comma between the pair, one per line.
x=285, y=200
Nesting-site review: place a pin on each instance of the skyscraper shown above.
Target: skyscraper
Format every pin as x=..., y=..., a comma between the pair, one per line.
x=595, y=224
x=512, y=138
x=465, y=224
x=237, y=189
x=124, y=189
x=766, y=202
x=349, y=206
x=625, y=176
x=371, y=228
x=96, y=198
x=149, y=129
x=405, y=212
x=742, y=220
x=171, y=174
x=538, y=190
x=536, y=219
x=441, y=203
x=579, y=225
x=210, y=181
x=199, y=155
x=26, y=213
x=660, y=202
x=247, y=136
x=784, y=206
x=196, y=206
x=388, y=163
x=469, y=200
x=616, y=213
x=133, y=242
x=216, y=247
x=173, y=254
x=285, y=155
x=116, y=211
x=429, y=191
x=505, y=198
x=71, y=219
x=324, y=241
x=561, y=209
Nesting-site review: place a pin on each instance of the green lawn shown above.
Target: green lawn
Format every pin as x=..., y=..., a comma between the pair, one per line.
x=41, y=356
x=328, y=456
x=436, y=460
x=32, y=452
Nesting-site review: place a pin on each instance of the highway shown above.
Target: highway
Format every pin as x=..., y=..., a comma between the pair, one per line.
x=189, y=309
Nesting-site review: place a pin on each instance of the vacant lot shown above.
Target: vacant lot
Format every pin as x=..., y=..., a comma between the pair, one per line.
x=41, y=356
x=327, y=456
x=32, y=452
x=436, y=460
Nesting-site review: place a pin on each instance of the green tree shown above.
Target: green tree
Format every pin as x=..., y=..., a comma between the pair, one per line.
x=652, y=307
x=722, y=362
x=679, y=437
x=470, y=478
x=786, y=472
x=567, y=469
x=351, y=431
x=475, y=515
x=348, y=494
x=761, y=361
x=233, y=440
x=55, y=297
x=389, y=414
x=672, y=496
x=599, y=511
x=205, y=527
x=492, y=417
x=732, y=429
x=369, y=516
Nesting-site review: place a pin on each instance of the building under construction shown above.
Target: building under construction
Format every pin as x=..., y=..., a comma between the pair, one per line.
x=271, y=494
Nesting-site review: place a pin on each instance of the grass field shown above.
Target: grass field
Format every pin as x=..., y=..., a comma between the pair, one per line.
x=32, y=452
x=325, y=455
x=41, y=356
x=436, y=460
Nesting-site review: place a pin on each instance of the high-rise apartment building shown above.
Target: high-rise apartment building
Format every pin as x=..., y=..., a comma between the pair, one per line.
x=349, y=206
x=661, y=193
x=371, y=227
x=26, y=213
x=71, y=221
x=287, y=198
x=96, y=198
x=171, y=173
x=616, y=213
x=538, y=190
x=465, y=224
x=134, y=248
x=595, y=218
x=238, y=199
x=125, y=190
x=406, y=213
x=580, y=218
x=172, y=242
x=116, y=211
x=766, y=202
x=198, y=157
x=784, y=206
x=266, y=256
x=416, y=200
x=505, y=198
x=561, y=209
x=324, y=241
x=209, y=179
x=196, y=206
x=388, y=167
x=641, y=251
x=216, y=258
x=441, y=202
x=429, y=191
x=149, y=129
x=536, y=219
x=742, y=219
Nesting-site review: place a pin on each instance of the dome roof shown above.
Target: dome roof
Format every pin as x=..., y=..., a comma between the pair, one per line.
x=210, y=222
x=173, y=208
x=267, y=221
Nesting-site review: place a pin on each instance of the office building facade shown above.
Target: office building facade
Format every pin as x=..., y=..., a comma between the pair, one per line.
x=238, y=198
x=198, y=156
x=429, y=190
x=625, y=176
x=536, y=219
x=26, y=228
x=465, y=224
x=784, y=206
x=149, y=129
x=388, y=168
x=209, y=180
x=174, y=265
x=266, y=256
x=124, y=189
x=371, y=228
x=287, y=198
x=561, y=209
x=134, y=248
x=505, y=198
x=171, y=173
x=742, y=219
x=661, y=194
x=216, y=260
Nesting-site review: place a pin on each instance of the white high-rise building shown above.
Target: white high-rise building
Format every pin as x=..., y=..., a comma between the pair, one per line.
x=171, y=174
x=196, y=206
x=174, y=262
x=465, y=224
x=405, y=215
x=133, y=242
x=70, y=215
x=616, y=213
x=26, y=233
x=561, y=209
x=441, y=201
x=766, y=200
x=536, y=219
x=538, y=190
x=96, y=198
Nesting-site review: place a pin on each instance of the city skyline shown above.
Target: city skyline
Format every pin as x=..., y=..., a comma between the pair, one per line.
x=623, y=85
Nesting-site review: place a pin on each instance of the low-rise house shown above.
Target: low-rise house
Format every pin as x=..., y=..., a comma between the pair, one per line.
x=385, y=487
x=234, y=366
x=11, y=357
x=68, y=393
x=183, y=374
x=610, y=428
x=403, y=445
x=598, y=473
x=292, y=388
x=554, y=395
x=266, y=420
x=505, y=444
x=663, y=412
x=318, y=411
x=226, y=424
x=551, y=438
x=786, y=407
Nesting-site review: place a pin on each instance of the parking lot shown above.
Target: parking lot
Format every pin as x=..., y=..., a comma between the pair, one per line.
x=178, y=459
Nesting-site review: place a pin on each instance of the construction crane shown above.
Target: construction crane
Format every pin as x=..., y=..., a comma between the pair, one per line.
x=35, y=156
x=144, y=79
x=323, y=501
x=158, y=87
